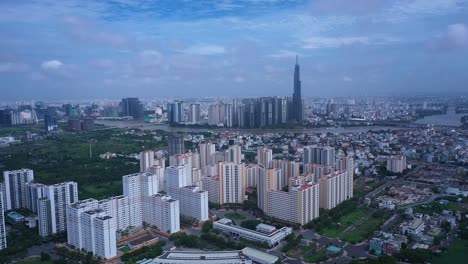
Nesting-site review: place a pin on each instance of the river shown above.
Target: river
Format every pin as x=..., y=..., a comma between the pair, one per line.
x=449, y=119
x=165, y=127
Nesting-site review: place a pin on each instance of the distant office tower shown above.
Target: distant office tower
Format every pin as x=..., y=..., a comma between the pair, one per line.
x=99, y=233
x=175, y=145
x=334, y=189
x=164, y=213
x=216, y=114
x=194, y=114
x=146, y=160
x=193, y=202
x=87, y=123
x=229, y=115
x=175, y=112
x=137, y=187
x=319, y=155
x=16, y=189
x=232, y=183
x=267, y=181
x=74, y=221
x=51, y=208
x=300, y=205
x=396, y=164
x=50, y=122
x=3, y=242
x=297, y=107
x=265, y=157
x=131, y=107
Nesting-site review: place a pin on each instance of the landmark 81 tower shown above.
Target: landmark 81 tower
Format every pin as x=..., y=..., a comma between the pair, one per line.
x=297, y=98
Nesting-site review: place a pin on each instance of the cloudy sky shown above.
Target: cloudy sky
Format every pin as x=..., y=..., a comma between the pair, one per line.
x=108, y=49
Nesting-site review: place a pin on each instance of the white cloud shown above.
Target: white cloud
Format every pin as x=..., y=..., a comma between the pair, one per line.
x=337, y=42
x=284, y=54
x=454, y=37
x=51, y=65
x=324, y=42
x=347, y=79
x=457, y=34
x=205, y=50
x=239, y=79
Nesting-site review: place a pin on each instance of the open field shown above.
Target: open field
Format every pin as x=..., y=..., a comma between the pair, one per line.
x=366, y=228
x=66, y=157
x=456, y=253
x=334, y=230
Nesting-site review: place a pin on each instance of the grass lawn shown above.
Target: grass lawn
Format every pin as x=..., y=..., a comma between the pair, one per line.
x=124, y=249
x=456, y=253
x=34, y=260
x=299, y=251
x=335, y=229
x=316, y=257
x=234, y=216
x=365, y=229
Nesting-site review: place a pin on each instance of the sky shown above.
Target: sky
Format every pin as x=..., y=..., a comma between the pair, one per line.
x=81, y=49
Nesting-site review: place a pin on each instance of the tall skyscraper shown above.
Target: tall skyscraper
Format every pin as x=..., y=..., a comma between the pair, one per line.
x=50, y=122
x=175, y=112
x=175, y=145
x=297, y=107
x=194, y=114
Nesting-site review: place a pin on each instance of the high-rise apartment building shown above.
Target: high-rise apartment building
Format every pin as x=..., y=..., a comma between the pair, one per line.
x=216, y=114
x=319, y=155
x=137, y=187
x=265, y=157
x=268, y=180
x=16, y=189
x=175, y=112
x=335, y=188
x=118, y=207
x=300, y=205
x=146, y=160
x=99, y=233
x=396, y=164
x=164, y=213
x=3, y=242
x=232, y=183
x=193, y=201
x=51, y=208
x=74, y=221
x=194, y=114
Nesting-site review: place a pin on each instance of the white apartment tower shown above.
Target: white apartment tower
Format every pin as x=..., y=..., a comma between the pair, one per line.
x=16, y=190
x=146, y=160
x=265, y=157
x=99, y=233
x=137, y=187
x=51, y=208
x=164, y=213
x=3, y=242
x=232, y=183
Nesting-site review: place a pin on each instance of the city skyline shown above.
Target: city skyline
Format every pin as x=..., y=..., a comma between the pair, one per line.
x=73, y=50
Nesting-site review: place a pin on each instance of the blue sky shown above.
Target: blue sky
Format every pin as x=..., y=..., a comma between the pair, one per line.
x=109, y=49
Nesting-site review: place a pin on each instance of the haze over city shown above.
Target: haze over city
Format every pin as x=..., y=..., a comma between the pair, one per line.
x=110, y=49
